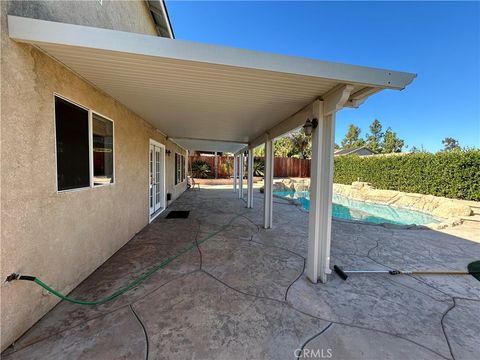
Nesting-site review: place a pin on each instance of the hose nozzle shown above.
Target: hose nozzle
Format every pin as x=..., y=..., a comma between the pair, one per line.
x=12, y=276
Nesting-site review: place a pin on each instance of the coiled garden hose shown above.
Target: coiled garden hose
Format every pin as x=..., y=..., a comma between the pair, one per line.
x=131, y=285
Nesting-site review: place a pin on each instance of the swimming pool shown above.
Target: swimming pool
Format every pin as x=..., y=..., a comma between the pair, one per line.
x=349, y=209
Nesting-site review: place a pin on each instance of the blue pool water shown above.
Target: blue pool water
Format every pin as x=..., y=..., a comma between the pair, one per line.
x=345, y=208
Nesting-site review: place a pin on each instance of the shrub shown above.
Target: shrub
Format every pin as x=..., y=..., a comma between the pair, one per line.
x=227, y=167
x=258, y=167
x=454, y=174
x=200, y=169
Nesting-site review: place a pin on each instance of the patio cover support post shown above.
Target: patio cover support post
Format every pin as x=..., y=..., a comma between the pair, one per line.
x=240, y=175
x=235, y=173
x=321, y=184
x=268, y=185
x=250, y=179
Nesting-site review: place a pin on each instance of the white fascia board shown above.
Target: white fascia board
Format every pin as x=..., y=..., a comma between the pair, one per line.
x=40, y=31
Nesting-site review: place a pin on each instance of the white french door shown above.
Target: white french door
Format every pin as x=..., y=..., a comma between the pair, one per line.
x=157, y=179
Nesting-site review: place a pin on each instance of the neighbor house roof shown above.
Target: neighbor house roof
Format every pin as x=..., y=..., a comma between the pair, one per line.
x=205, y=97
x=353, y=150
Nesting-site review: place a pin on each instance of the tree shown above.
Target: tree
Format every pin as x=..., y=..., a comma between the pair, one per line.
x=301, y=144
x=283, y=146
x=259, y=151
x=450, y=144
x=352, y=138
x=374, y=139
x=392, y=143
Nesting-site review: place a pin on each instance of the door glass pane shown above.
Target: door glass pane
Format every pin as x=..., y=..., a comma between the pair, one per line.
x=151, y=177
x=102, y=150
x=71, y=132
x=157, y=176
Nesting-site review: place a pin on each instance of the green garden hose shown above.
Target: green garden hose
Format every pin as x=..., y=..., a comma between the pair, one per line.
x=131, y=285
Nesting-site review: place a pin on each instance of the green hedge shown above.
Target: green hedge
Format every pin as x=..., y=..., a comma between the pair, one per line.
x=453, y=174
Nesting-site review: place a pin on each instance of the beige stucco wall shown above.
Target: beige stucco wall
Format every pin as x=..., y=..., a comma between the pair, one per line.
x=131, y=15
x=61, y=237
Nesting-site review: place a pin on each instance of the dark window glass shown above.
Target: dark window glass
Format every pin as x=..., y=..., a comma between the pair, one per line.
x=102, y=150
x=71, y=126
x=179, y=168
x=176, y=169
x=183, y=168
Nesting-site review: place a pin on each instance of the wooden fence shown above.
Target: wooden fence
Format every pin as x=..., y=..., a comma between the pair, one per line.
x=291, y=167
x=283, y=167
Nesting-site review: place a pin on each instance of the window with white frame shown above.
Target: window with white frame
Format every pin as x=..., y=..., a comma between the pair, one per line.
x=102, y=130
x=179, y=168
x=84, y=147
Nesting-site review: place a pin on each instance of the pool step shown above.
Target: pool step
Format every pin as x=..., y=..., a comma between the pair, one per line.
x=471, y=219
x=475, y=209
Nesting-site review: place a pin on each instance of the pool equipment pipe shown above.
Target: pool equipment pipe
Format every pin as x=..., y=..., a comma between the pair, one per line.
x=131, y=285
x=473, y=269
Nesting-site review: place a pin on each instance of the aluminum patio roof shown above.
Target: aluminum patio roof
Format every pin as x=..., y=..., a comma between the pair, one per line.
x=204, y=97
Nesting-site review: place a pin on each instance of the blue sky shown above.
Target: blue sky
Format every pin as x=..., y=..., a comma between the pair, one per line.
x=440, y=41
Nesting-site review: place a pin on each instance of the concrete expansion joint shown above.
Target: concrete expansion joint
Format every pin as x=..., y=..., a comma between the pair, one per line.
x=451, y=298
x=244, y=232
x=294, y=281
x=144, y=330
x=443, y=326
x=331, y=322
x=370, y=329
x=105, y=313
x=240, y=291
x=278, y=247
x=258, y=228
x=454, y=299
x=313, y=337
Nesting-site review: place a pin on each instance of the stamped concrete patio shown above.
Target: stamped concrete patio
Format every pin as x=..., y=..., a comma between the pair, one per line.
x=242, y=294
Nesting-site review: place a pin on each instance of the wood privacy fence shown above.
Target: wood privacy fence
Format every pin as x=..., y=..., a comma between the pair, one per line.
x=291, y=167
x=283, y=167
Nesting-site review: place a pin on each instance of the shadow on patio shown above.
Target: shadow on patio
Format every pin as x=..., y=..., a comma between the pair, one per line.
x=242, y=293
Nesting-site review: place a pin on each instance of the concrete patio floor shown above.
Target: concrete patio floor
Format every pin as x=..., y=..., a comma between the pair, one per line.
x=242, y=294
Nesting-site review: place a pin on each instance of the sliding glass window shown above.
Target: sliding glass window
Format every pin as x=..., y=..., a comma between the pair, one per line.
x=85, y=152
x=102, y=130
x=71, y=130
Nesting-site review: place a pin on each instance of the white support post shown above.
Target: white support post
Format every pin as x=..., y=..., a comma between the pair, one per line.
x=268, y=185
x=250, y=179
x=240, y=175
x=235, y=173
x=321, y=184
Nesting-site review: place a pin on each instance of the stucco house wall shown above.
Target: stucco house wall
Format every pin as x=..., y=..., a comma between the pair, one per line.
x=63, y=237
x=131, y=16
